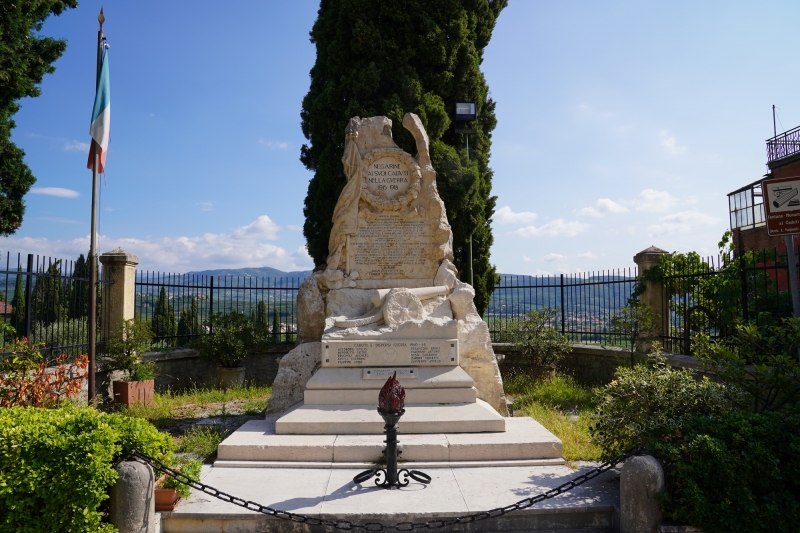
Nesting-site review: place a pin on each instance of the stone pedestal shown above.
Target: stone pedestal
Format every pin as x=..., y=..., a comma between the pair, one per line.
x=119, y=270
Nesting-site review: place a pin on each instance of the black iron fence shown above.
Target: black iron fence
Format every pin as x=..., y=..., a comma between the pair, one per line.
x=47, y=300
x=181, y=307
x=585, y=303
x=712, y=294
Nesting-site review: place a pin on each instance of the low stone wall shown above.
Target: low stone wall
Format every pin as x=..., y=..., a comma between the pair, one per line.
x=184, y=369
x=592, y=365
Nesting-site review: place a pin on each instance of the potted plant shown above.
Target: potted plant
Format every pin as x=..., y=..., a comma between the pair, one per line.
x=542, y=345
x=125, y=353
x=230, y=339
x=169, y=490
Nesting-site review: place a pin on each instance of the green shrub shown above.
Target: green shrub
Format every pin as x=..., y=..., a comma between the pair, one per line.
x=760, y=360
x=190, y=469
x=636, y=323
x=231, y=339
x=56, y=465
x=536, y=338
x=125, y=350
x=648, y=397
x=737, y=472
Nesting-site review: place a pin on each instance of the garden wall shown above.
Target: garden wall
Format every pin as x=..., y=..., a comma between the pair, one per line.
x=591, y=365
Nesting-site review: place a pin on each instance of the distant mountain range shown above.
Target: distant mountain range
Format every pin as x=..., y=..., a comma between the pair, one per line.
x=253, y=272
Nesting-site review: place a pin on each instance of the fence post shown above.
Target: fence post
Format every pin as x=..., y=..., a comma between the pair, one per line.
x=563, y=316
x=211, y=304
x=119, y=289
x=28, y=296
x=653, y=295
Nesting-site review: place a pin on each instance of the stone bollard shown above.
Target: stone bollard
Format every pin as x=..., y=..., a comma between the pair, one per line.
x=641, y=479
x=132, y=503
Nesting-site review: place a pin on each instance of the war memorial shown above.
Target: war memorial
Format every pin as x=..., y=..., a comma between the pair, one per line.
x=389, y=302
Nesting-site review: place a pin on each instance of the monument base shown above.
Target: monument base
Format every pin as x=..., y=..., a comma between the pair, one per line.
x=257, y=444
x=475, y=417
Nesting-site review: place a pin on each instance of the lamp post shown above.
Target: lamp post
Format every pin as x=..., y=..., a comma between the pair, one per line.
x=391, y=403
x=467, y=112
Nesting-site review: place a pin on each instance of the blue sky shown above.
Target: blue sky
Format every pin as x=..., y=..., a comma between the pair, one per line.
x=620, y=125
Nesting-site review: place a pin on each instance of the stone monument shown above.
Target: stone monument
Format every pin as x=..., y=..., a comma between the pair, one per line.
x=389, y=301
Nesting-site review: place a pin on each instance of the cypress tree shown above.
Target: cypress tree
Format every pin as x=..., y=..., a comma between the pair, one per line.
x=18, y=304
x=188, y=324
x=389, y=58
x=47, y=300
x=163, y=323
x=276, y=325
x=79, y=292
x=261, y=314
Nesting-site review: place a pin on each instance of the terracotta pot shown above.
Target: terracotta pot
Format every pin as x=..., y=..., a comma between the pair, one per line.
x=128, y=393
x=166, y=499
x=228, y=378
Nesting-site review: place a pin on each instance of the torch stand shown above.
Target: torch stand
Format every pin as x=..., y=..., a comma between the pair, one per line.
x=392, y=478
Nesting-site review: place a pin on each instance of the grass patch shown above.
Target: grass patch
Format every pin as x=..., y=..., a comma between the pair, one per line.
x=203, y=403
x=560, y=404
x=202, y=440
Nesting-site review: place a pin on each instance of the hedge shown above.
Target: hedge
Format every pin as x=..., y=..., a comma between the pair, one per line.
x=737, y=472
x=56, y=465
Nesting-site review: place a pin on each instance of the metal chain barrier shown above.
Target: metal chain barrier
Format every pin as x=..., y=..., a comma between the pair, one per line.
x=378, y=526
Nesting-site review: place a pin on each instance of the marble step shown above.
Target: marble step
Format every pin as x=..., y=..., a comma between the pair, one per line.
x=257, y=441
x=367, y=396
x=364, y=419
x=430, y=377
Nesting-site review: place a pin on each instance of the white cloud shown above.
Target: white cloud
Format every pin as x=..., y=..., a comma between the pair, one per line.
x=76, y=146
x=205, y=206
x=556, y=228
x=274, y=145
x=526, y=259
x=505, y=215
x=653, y=200
x=241, y=247
x=541, y=273
x=670, y=144
x=554, y=257
x=682, y=222
x=55, y=191
x=587, y=255
x=604, y=206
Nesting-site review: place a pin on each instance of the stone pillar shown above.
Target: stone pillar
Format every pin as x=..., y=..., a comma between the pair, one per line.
x=119, y=269
x=654, y=291
x=640, y=480
x=132, y=501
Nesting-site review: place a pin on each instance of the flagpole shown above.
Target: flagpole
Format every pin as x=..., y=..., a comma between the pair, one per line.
x=92, y=319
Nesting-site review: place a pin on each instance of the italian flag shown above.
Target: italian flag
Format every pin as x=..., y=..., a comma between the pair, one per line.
x=101, y=118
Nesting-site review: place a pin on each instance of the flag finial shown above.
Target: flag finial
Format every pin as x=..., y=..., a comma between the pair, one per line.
x=101, y=18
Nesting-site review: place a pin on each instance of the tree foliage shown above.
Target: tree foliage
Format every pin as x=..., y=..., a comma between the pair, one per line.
x=636, y=323
x=389, y=58
x=163, y=322
x=188, y=324
x=48, y=299
x=25, y=57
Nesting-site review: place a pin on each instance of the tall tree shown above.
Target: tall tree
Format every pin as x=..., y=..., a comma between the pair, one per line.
x=47, y=300
x=188, y=324
x=25, y=57
x=79, y=293
x=163, y=323
x=261, y=314
x=18, y=304
x=389, y=58
x=276, y=325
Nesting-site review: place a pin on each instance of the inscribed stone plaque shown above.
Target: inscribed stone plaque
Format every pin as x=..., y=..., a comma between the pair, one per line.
x=415, y=352
x=390, y=246
x=387, y=372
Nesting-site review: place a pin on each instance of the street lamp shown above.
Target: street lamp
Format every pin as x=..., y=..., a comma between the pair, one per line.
x=467, y=112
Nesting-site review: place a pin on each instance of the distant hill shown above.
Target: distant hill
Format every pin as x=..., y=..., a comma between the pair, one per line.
x=253, y=272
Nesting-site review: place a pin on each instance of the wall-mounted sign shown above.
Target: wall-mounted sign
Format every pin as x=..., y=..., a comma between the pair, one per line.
x=782, y=203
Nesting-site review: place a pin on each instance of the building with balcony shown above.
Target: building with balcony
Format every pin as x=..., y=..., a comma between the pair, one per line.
x=746, y=205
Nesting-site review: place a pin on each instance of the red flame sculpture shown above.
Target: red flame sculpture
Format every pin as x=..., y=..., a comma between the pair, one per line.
x=392, y=398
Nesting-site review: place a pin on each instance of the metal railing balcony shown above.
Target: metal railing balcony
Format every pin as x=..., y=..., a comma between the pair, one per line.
x=783, y=145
